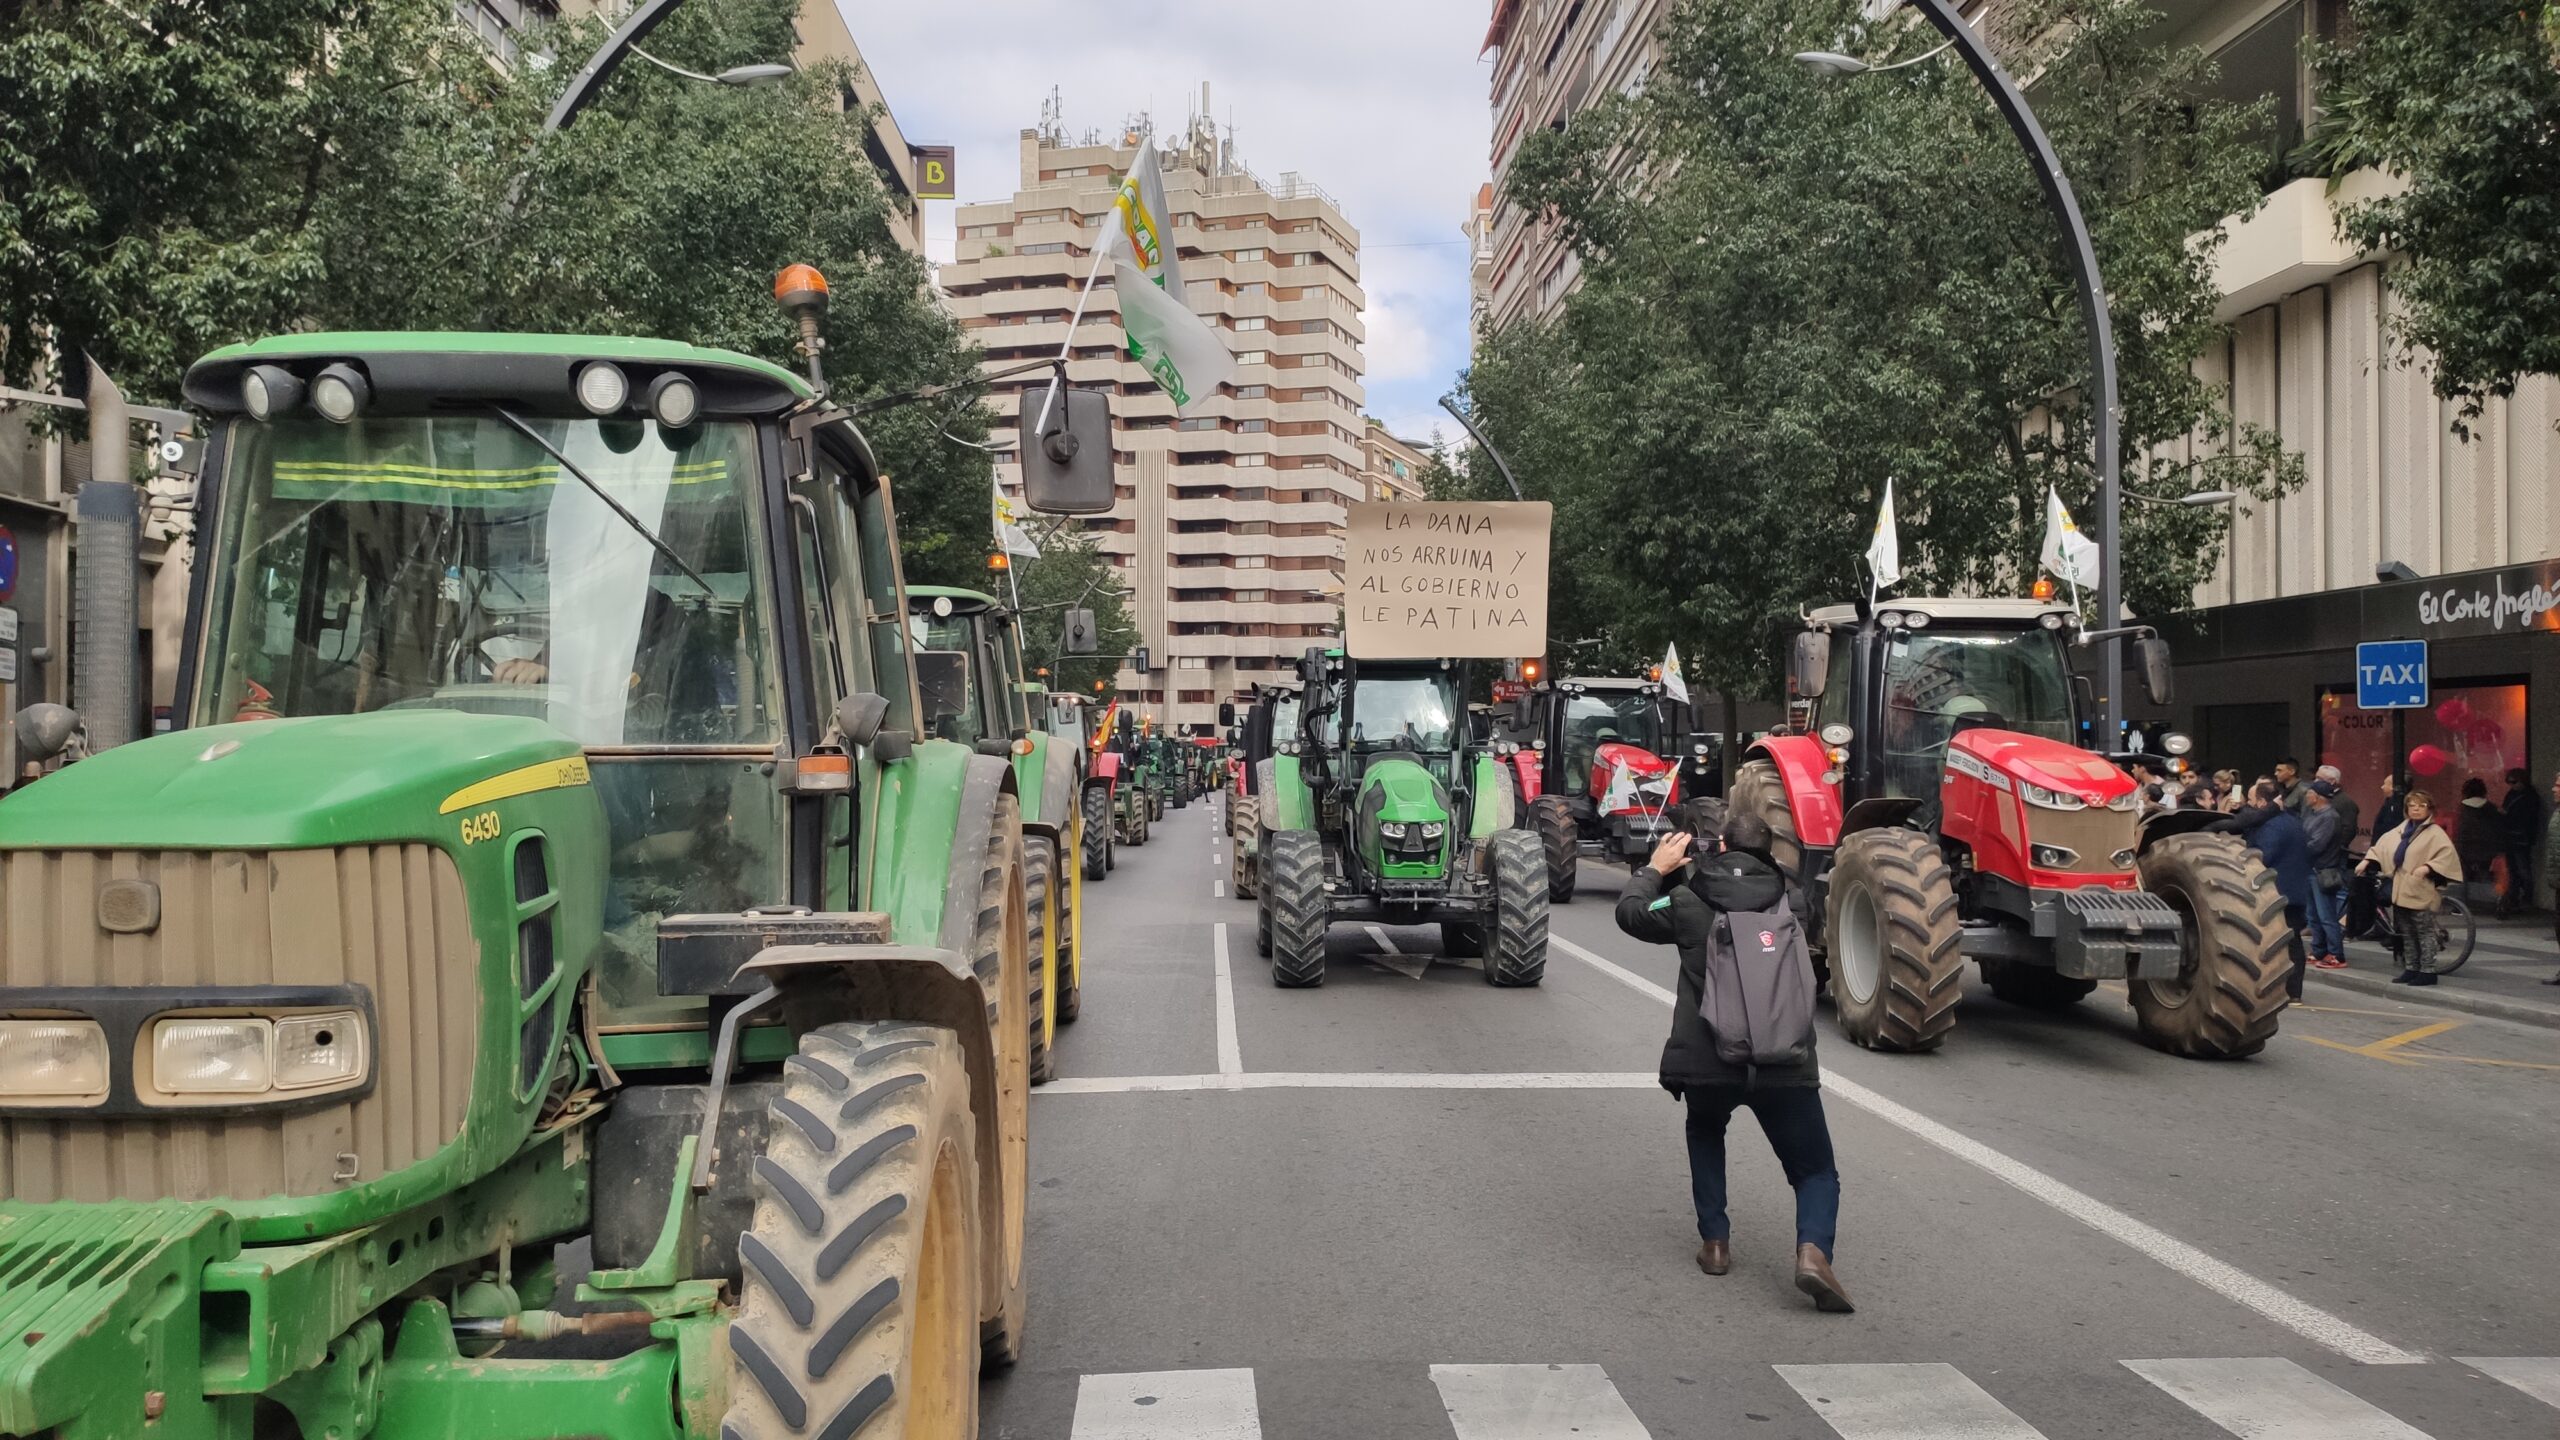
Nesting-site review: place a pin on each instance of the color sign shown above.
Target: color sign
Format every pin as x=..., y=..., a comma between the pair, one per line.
x=1432, y=579
x=934, y=165
x=2391, y=675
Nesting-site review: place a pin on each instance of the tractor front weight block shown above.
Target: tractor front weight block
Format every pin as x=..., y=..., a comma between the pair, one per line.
x=2103, y=934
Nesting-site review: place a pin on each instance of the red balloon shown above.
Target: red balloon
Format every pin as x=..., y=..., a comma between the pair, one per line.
x=2454, y=714
x=2428, y=760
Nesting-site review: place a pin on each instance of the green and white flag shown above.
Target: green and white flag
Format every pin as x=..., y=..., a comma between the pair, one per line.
x=1177, y=347
x=1884, y=553
x=1674, y=683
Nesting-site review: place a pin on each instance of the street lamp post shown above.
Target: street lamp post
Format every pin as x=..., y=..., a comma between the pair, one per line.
x=2065, y=205
x=625, y=40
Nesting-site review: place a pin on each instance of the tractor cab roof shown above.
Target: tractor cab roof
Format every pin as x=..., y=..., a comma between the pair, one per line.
x=1989, y=611
x=414, y=371
x=1627, y=683
x=965, y=602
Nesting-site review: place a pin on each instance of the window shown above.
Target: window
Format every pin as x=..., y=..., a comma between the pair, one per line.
x=1252, y=322
x=1252, y=427
x=1192, y=662
x=1252, y=392
x=1253, y=357
x=1254, y=253
x=1197, y=697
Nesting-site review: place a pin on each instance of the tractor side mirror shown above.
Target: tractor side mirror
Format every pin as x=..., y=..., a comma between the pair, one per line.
x=1227, y=713
x=1066, y=463
x=860, y=717
x=1235, y=734
x=46, y=730
x=2152, y=653
x=1809, y=662
x=1080, y=635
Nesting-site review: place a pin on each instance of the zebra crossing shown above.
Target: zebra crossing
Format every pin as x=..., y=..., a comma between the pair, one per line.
x=2258, y=1399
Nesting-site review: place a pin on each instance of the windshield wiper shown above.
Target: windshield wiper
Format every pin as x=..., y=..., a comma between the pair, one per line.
x=643, y=531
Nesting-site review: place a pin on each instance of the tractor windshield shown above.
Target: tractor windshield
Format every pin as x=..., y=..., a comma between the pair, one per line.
x=947, y=665
x=1938, y=681
x=1406, y=712
x=448, y=562
x=1598, y=717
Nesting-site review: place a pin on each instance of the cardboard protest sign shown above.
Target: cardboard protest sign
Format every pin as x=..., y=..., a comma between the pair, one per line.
x=1432, y=578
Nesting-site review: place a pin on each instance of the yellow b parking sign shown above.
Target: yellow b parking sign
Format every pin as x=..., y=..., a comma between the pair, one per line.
x=933, y=172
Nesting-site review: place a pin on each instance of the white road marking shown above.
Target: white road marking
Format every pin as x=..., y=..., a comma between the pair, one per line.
x=1355, y=1080
x=1230, y=1049
x=1534, y=1402
x=1217, y=889
x=1904, y=1402
x=1168, y=1405
x=2539, y=1378
x=2229, y=1281
x=2270, y=1400
x=1385, y=945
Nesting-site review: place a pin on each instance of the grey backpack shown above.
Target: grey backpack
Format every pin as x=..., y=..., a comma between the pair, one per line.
x=1758, y=1001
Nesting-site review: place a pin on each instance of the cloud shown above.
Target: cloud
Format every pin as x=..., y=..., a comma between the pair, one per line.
x=1382, y=104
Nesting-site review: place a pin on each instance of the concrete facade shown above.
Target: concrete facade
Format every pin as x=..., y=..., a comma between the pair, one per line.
x=1394, y=465
x=1228, y=530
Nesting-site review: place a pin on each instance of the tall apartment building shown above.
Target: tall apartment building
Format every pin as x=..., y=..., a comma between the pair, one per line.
x=1228, y=531
x=502, y=24
x=1552, y=59
x=1395, y=464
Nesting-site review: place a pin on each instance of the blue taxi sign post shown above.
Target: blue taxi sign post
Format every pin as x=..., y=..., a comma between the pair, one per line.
x=2391, y=675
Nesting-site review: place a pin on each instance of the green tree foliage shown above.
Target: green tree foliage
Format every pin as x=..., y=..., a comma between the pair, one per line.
x=2461, y=97
x=1073, y=571
x=290, y=164
x=1797, y=286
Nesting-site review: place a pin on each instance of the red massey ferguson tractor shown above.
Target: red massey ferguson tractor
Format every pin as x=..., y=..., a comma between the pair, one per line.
x=1943, y=809
x=1597, y=773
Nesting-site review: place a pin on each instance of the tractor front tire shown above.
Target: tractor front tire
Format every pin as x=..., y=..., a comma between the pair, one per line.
x=1551, y=820
x=1293, y=897
x=1240, y=823
x=1095, y=807
x=1001, y=957
x=1896, y=971
x=2232, y=955
x=2034, y=986
x=1039, y=907
x=1759, y=793
x=1516, y=943
x=859, y=1304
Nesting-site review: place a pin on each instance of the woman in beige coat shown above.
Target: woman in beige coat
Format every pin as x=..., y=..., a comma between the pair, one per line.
x=2419, y=858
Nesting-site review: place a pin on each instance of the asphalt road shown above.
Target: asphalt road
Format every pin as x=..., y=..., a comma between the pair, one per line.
x=1407, y=1204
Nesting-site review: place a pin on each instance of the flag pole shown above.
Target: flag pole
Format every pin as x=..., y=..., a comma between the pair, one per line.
x=1101, y=253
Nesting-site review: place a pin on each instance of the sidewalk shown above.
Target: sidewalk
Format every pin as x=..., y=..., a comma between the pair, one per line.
x=2503, y=978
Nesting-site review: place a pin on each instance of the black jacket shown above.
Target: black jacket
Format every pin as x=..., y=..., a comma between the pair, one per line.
x=1685, y=915
x=2521, y=818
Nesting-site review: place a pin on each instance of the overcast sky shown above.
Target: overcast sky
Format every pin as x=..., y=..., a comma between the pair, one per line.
x=1381, y=102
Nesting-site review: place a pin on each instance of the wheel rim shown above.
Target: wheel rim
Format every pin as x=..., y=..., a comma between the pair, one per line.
x=1859, y=948
x=2174, y=994
x=942, y=1380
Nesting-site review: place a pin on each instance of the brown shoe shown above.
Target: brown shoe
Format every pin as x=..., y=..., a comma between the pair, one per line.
x=1814, y=1277
x=1715, y=1257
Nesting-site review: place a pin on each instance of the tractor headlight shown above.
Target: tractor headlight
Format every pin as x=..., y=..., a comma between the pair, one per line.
x=1392, y=830
x=2129, y=800
x=675, y=401
x=2055, y=857
x=1433, y=829
x=603, y=388
x=213, y=1057
x=317, y=1050
x=53, y=1060
x=340, y=393
x=1835, y=735
x=2174, y=743
x=2050, y=799
x=269, y=390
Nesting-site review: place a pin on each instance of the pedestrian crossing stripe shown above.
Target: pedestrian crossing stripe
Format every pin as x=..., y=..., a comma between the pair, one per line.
x=2259, y=1399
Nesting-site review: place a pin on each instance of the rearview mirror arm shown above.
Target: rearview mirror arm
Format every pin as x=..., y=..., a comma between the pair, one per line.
x=921, y=393
x=2120, y=632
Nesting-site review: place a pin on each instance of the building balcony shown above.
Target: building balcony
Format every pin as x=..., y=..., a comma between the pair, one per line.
x=2292, y=243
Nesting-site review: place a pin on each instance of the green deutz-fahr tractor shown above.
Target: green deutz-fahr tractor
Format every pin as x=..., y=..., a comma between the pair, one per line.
x=550, y=848
x=968, y=650
x=1265, y=736
x=1393, y=814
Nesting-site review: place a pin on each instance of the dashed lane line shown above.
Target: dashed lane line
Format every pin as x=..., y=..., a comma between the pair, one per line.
x=1230, y=1048
x=2227, y=1280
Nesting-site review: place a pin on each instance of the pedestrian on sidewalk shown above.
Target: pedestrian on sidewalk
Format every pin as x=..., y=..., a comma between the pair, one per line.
x=2479, y=834
x=2295, y=791
x=1786, y=1099
x=2388, y=815
x=2350, y=814
x=2326, y=831
x=2520, y=824
x=2266, y=826
x=2419, y=859
x=2551, y=865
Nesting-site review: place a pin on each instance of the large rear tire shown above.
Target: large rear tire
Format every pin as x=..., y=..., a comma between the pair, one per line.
x=859, y=1304
x=1094, y=806
x=1001, y=956
x=1240, y=823
x=2232, y=955
x=1516, y=944
x=1040, y=909
x=1896, y=971
x=1758, y=792
x=1293, y=898
x=1551, y=820
x=2034, y=986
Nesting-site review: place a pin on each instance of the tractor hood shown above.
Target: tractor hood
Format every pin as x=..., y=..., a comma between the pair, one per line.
x=389, y=777
x=1617, y=772
x=1399, y=793
x=2005, y=756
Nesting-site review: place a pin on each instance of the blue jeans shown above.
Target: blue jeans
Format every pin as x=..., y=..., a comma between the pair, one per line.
x=1791, y=1116
x=2328, y=920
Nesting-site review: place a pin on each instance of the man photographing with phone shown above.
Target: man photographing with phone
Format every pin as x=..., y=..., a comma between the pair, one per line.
x=1741, y=1032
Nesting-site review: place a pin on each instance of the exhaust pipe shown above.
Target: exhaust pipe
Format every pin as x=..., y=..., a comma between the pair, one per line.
x=106, y=662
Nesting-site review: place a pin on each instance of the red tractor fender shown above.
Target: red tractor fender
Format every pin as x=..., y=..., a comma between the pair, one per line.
x=1526, y=764
x=1801, y=762
x=1106, y=767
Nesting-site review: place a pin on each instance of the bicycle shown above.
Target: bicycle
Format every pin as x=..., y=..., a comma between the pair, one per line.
x=2455, y=931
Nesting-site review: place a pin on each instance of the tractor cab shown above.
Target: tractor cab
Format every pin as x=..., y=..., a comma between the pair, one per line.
x=1600, y=774
x=1266, y=738
x=1944, y=762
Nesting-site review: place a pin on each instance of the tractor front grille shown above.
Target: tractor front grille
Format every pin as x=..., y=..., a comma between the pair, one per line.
x=389, y=918
x=2093, y=836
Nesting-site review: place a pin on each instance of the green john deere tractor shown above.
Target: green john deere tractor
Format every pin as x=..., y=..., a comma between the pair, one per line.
x=968, y=649
x=1121, y=759
x=550, y=847
x=1072, y=724
x=1393, y=814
